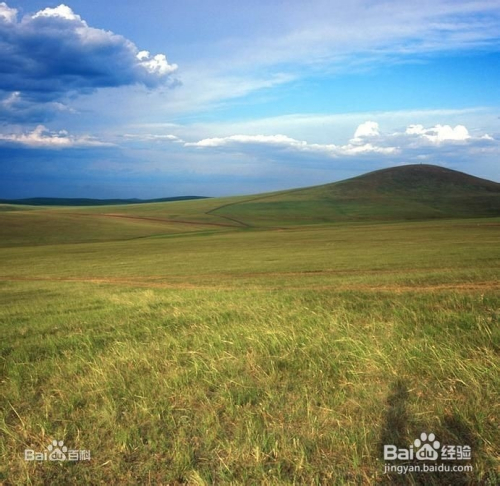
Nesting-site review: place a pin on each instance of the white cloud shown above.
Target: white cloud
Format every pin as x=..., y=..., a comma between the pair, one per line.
x=61, y=11
x=7, y=14
x=283, y=142
x=157, y=64
x=328, y=128
x=41, y=137
x=440, y=133
x=367, y=148
x=247, y=139
x=413, y=142
x=367, y=129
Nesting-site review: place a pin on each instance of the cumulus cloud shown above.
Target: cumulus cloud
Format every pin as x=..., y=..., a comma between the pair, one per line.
x=439, y=133
x=155, y=65
x=54, y=52
x=41, y=137
x=62, y=11
x=367, y=129
x=285, y=143
x=414, y=142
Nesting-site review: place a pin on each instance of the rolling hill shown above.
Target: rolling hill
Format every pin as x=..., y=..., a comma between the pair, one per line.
x=410, y=192
x=405, y=193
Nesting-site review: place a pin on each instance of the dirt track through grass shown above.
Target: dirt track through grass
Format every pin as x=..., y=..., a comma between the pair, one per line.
x=160, y=220
x=151, y=282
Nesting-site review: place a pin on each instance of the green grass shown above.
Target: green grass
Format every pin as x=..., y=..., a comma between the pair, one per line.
x=244, y=387
x=252, y=357
x=37, y=227
x=183, y=345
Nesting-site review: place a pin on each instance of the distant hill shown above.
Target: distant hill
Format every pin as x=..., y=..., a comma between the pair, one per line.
x=410, y=192
x=56, y=201
x=404, y=193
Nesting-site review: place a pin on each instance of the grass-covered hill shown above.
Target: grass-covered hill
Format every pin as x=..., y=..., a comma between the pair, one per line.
x=408, y=192
x=411, y=192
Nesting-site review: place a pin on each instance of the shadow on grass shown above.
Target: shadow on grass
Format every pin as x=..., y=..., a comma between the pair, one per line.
x=398, y=429
x=395, y=428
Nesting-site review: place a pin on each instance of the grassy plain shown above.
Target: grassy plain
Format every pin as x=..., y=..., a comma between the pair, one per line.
x=217, y=353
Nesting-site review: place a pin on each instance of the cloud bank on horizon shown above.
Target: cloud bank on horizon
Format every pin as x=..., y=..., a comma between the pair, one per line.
x=41, y=137
x=259, y=98
x=367, y=140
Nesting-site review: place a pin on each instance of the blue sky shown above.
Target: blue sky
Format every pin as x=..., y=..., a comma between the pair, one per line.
x=161, y=98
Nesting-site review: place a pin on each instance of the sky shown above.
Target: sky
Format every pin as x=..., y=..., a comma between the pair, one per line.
x=164, y=98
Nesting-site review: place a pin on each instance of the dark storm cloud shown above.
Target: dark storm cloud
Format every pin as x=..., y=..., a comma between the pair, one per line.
x=54, y=53
x=14, y=108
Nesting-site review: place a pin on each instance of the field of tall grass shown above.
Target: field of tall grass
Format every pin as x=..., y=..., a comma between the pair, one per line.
x=251, y=356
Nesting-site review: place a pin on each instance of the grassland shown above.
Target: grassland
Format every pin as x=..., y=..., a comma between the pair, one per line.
x=212, y=351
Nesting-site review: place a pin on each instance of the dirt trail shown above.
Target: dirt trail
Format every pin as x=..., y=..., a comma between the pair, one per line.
x=162, y=220
x=145, y=218
x=152, y=282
